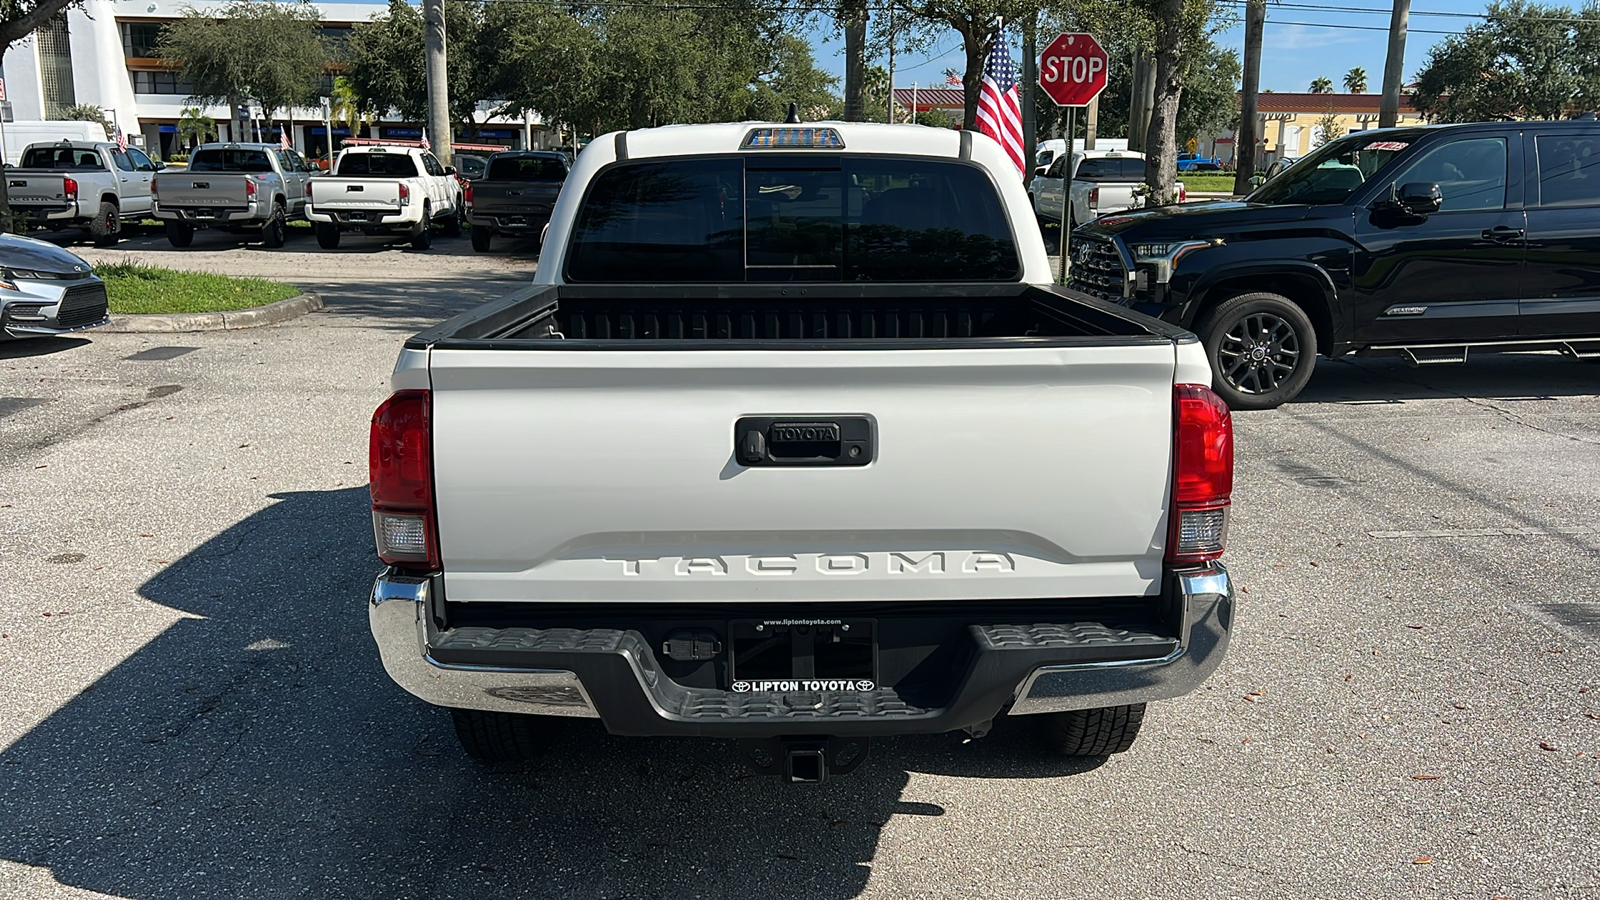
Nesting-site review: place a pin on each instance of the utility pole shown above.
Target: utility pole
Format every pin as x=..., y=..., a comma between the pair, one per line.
x=1143, y=100
x=1091, y=123
x=890, y=104
x=1393, y=67
x=1030, y=87
x=1244, y=137
x=855, y=65
x=438, y=78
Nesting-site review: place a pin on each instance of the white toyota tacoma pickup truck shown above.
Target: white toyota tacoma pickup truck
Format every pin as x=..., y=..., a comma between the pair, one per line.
x=382, y=190
x=792, y=442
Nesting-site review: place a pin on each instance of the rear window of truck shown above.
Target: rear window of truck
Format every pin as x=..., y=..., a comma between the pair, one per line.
x=61, y=158
x=527, y=168
x=377, y=165
x=230, y=159
x=792, y=218
x=1111, y=168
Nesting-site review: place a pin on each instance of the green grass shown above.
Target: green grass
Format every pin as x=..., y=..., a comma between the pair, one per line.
x=1207, y=181
x=136, y=289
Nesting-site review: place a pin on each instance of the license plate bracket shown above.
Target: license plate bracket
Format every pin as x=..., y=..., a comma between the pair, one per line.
x=803, y=654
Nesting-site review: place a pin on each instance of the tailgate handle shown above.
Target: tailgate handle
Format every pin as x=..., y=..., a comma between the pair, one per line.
x=804, y=440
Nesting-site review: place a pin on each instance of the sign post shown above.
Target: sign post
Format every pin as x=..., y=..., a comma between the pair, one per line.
x=1072, y=71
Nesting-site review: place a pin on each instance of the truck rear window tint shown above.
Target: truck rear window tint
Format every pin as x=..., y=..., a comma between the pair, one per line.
x=377, y=165
x=61, y=158
x=740, y=219
x=527, y=168
x=230, y=159
x=1111, y=168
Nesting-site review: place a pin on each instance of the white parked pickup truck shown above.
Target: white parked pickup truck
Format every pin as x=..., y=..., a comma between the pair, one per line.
x=793, y=442
x=1103, y=182
x=382, y=190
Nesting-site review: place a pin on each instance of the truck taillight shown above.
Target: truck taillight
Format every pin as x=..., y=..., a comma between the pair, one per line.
x=155, y=190
x=467, y=195
x=1094, y=197
x=69, y=187
x=1202, y=475
x=249, y=187
x=309, y=185
x=1183, y=194
x=405, y=194
x=400, y=468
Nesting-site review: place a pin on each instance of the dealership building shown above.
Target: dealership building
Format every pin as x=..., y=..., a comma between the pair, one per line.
x=103, y=53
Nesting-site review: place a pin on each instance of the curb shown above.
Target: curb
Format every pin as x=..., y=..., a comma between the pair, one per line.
x=271, y=314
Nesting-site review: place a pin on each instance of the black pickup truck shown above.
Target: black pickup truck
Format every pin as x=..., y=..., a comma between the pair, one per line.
x=1426, y=242
x=515, y=195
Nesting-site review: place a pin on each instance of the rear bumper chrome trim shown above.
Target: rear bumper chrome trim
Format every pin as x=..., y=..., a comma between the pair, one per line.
x=1207, y=599
x=396, y=615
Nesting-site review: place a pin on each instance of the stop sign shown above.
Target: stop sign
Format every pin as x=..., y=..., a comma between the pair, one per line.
x=1072, y=70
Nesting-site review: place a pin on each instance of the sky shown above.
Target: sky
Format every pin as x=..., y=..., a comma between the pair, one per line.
x=1304, y=39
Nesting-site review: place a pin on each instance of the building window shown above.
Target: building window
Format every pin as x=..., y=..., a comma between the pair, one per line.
x=55, y=68
x=141, y=39
x=161, y=83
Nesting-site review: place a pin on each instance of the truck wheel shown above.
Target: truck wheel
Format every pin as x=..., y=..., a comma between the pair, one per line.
x=498, y=736
x=482, y=236
x=422, y=235
x=276, y=227
x=1092, y=732
x=452, y=225
x=1262, y=349
x=106, y=226
x=327, y=236
x=180, y=234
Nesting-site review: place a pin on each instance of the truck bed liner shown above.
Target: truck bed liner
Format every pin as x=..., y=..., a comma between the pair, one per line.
x=572, y=317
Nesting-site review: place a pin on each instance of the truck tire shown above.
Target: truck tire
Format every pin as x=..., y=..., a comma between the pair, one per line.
x=327, y=236
x=452, y=225
x=498, y=736
x=275, y=230
x=422, y=234
x=1092, y=732
x=106, y=226
x=180, y=234
x=482, y=237
x=1262, y=348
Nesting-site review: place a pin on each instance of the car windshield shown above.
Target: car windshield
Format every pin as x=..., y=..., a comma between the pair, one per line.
x=526, y=168
x=229, y=159
x=377, y=165
x=1335, y=171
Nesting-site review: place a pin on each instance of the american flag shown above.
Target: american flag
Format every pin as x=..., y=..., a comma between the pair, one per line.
x=122, y=140
x=283, y=137
x=952, y=78
x=425, y=143
x=999, y=112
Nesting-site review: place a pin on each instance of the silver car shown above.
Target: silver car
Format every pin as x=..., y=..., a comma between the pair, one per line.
x=44, y=290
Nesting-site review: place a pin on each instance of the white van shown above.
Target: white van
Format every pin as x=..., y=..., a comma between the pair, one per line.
x=18, y=135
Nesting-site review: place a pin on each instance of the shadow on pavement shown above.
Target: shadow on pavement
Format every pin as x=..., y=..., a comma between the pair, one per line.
x=40, y=346
x=260, y=751
x=1493, y=376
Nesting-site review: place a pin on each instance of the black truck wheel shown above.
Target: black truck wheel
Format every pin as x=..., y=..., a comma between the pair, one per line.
x=482, y=237
x=276, y=227
x=327, y=236
x=422, y=234
x=106, y=226
x=498, y=736
x=1262, y=349
x=1092, y=732
x=179, y=234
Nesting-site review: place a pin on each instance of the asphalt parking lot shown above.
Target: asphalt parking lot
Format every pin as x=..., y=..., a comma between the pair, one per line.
x=191, y=707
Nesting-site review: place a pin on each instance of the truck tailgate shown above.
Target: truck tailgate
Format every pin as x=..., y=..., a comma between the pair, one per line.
x=356, y=193
x=35, y=190
x=515, y=198
x=201, y=189
x=611, y=476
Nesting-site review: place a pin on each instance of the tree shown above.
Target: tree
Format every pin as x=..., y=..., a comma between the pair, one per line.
x=1524, y=60
x=1327, y=128
x=1355, y=80
x=87, y=112
x=345, y=107
x=195, y=127
x=1322, y=85
x=386, y=66
x=18, y=19
x=268, y=52
x=975, y=21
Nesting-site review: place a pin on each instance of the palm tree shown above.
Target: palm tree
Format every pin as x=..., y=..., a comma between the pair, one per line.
x=195, y=127
x=1355, y=80
x=1322, y=86
x=345, y=107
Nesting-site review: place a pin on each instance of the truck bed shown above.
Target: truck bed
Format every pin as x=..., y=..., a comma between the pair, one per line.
x=858, y=316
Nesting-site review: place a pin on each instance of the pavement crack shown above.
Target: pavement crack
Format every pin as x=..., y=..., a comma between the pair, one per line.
x=1227, y=862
